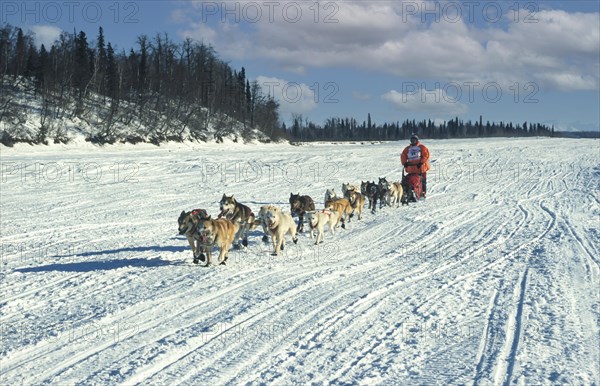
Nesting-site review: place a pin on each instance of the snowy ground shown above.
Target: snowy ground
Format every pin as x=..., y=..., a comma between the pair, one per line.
x=493, y=280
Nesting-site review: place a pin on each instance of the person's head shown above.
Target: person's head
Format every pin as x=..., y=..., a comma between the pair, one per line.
x=414, y=139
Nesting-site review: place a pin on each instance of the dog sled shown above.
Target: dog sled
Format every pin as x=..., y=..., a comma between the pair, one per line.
x=413, y=187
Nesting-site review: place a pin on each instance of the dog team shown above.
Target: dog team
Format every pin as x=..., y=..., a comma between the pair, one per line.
x=236, y=220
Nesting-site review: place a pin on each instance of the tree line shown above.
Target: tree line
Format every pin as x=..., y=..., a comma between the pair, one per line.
x=348, y=129
x=164, y=90
x=160, y=90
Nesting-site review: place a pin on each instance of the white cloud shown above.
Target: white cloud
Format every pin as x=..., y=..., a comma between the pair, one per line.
x=45, y=34
x=435, y=102
x=293, y=97
x=566, y=81
x=559, y=50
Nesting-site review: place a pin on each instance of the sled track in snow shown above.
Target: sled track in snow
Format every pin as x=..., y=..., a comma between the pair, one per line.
x=324, y=303
x=515, y=327
x=342, y=294
x=474, y=254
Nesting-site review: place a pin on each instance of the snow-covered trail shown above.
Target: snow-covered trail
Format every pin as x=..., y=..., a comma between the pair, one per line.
x=493, y=280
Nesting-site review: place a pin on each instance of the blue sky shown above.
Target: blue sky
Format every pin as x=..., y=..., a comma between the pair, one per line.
x=535, y=61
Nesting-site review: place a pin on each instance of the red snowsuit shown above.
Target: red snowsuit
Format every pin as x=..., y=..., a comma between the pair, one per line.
x=414, y=156
x=415, y=159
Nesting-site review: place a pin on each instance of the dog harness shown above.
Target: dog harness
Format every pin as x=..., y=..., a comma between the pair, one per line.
x=201, y=212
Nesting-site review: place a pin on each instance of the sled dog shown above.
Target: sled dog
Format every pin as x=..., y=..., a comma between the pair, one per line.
x=385, y=194
x=347, y=188
x=261, y=220
x=330, y=194
x=317, y=219
x=357, y=201
x=238, y=213
x=220, y=232
x=396, y=192
x=343, y=209
x=188, y=226
x=298, y=206
x=277, y=224
x=371, y=191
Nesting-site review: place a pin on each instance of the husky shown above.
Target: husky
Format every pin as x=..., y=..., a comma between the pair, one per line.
x=357, y=201
x=330, y=194
x=238, y=213
x=188, y=226
x=363, y=188
x=396, y=192
x=347, y=188
x=299, y=205
x=277, y=224
x=220, y=232
x=343, y=209
x=385, y=194
x=371, y=191
x=261, y=220
x=317, y=219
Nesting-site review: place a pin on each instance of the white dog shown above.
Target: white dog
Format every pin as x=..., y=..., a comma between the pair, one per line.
x=277, y=224
x=396, y=193
x=318, y=219
x=261, y=219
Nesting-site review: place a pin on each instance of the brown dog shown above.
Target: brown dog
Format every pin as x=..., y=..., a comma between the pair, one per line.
x=188, y=226
x=343, y=209
x=357, y=201
x=220, y=232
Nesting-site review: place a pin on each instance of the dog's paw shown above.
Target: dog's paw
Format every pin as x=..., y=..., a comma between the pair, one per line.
x=295, y=241
x=195, y=261
x=344, y=226
x=202, y=257
x=245, y=242
x=273, y=254
x=265, y=239
x=282, y=246
x=223, y=263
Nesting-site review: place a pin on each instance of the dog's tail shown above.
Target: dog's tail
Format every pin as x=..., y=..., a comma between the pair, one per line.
x=253, y=221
